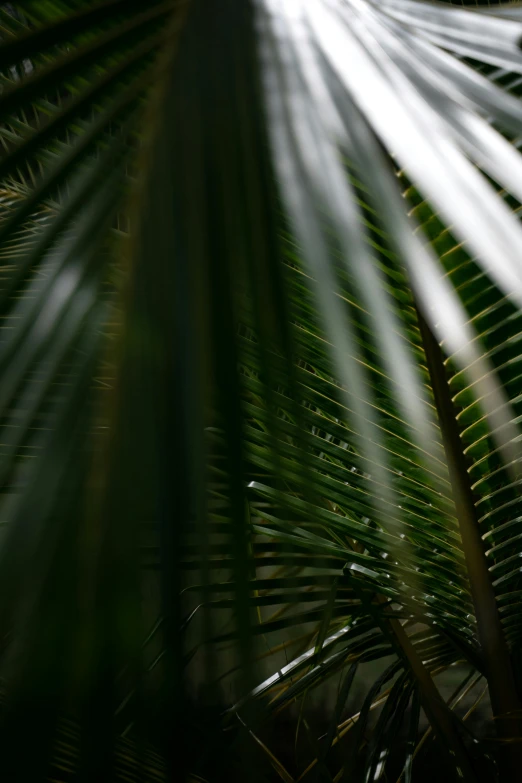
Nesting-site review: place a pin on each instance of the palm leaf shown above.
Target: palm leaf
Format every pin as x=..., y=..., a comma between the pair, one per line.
x=275, y=419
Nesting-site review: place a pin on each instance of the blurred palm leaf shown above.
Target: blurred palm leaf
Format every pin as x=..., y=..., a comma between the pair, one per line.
x=235, y=457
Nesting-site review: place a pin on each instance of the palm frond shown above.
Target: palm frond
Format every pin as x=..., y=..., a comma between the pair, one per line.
x=276, y=469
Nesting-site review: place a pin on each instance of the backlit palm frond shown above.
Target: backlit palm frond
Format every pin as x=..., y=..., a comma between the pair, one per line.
x=283, y=473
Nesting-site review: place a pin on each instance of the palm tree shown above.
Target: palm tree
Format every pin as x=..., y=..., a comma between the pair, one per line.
x=261, y=306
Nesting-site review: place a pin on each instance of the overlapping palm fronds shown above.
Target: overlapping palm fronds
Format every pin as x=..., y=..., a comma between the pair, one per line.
x=259, y=405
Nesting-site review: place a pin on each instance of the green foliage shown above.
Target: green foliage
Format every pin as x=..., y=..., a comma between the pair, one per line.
x=259, y=406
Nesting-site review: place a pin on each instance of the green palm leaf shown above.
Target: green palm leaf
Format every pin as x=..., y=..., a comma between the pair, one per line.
x=273, y=457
